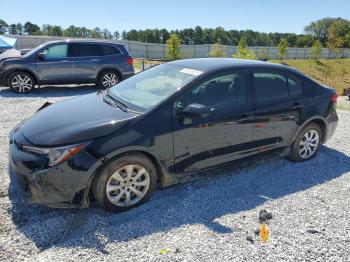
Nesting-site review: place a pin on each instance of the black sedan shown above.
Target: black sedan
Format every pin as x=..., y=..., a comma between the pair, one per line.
x=164, y=124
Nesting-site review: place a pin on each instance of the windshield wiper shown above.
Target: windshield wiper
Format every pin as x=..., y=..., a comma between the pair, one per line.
x=116, y=102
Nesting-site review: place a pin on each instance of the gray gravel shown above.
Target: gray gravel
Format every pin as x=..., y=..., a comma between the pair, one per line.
x=215, y=218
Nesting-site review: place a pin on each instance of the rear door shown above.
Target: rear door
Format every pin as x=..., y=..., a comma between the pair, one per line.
x=86, y=59
x=279, y=105
x=56, y=66
x=225, y=133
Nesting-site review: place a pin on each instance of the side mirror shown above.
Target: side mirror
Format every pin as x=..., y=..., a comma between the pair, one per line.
x=196, y=110
x=41, y=56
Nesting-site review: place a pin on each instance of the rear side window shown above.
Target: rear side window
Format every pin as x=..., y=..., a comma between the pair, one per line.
x=295, y=85
x=82, y=49
x=110, y=50
x=270, y=86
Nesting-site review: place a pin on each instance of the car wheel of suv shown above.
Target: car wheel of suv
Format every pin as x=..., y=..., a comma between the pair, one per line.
x=306, y=143
x=21, y=82
x=108, y=79
x=125, y=183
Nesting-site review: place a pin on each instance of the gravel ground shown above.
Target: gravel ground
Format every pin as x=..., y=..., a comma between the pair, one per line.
x=208, y=219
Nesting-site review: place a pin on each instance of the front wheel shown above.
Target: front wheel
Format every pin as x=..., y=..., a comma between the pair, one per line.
x=108, y=79
x=21, y=82
x=125, y=183
x=306, y=143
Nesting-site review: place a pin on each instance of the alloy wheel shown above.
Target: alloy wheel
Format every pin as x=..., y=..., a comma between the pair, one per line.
x=128, y=185
x=308, y=144
x=109, y=80
x=22, y=83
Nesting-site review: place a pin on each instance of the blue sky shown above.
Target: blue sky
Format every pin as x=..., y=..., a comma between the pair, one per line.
x=259, y=15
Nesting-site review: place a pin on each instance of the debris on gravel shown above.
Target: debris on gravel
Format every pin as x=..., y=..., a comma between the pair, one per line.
x=206, y=219
x=250, y=239
x=264, y=215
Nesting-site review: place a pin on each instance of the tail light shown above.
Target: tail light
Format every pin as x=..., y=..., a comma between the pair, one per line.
x=130, y=61
x=334, y=98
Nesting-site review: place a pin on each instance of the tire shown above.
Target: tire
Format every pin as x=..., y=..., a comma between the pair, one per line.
x=115, y=177
x=306, y=143
x=21, y=82
x=108, y=79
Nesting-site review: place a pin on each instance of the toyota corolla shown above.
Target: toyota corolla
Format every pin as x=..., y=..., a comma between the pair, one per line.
x=166, y=123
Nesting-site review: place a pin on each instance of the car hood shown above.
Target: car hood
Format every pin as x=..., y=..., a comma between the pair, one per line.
x=11, y=53
x=74, y=120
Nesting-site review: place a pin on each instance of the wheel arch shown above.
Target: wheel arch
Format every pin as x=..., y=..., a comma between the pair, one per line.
x=26, y=70
x=105, y=69
x=320, y=121
x=163, y=178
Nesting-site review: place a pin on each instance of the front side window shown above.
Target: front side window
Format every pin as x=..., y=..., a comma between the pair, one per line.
x=270, y=86
x=219, y=92
x=56, y=51
x=150, y=87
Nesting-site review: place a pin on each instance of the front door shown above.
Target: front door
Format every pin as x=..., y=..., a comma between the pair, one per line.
x=55, y=66
x=224, y=133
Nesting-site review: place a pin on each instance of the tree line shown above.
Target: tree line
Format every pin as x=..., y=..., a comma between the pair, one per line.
x=330, y=32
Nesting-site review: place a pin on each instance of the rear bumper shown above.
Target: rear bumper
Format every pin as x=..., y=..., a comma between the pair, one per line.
x=332, y=120
x=127, y=75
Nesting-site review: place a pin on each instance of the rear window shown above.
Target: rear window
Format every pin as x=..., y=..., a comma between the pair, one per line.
x=270, y=86
x=110, y=50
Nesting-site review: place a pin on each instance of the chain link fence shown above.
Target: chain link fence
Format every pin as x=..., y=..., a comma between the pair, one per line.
x=158, y=51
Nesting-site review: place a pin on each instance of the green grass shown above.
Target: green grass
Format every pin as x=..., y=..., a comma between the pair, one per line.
x=343, y=103
x=331, y=72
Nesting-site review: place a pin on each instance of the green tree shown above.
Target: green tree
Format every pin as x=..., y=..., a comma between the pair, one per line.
x=217, y=50
x=19, y=28
x=31, y=29
x=12, y=29
x=319, y=28
x=116, y=35
x=96, y=33
x=282, y=48
x=106, y=34
x=316, y=49
x=243, y=51
x=3, y=26
x=173, y=46
x=337, y=33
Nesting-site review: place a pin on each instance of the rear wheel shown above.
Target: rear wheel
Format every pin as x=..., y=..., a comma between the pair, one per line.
x=306, y=143
x=108, y=79
x=21, y=82
x=125, y=183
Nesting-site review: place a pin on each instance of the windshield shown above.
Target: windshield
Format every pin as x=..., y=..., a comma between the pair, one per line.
x=150, y=87
x=33, y=51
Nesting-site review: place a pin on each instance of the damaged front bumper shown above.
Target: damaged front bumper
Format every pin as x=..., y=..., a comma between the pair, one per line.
x=63, y=186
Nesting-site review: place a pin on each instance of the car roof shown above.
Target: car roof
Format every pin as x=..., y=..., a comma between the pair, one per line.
x=210, y=64
x=100, y=41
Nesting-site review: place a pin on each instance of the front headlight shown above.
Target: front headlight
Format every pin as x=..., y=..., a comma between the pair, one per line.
x=56, y=155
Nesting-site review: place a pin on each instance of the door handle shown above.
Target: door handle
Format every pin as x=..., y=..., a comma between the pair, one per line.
x=297, y=106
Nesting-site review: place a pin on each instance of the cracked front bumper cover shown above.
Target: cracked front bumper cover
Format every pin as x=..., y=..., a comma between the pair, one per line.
x=60, y=186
